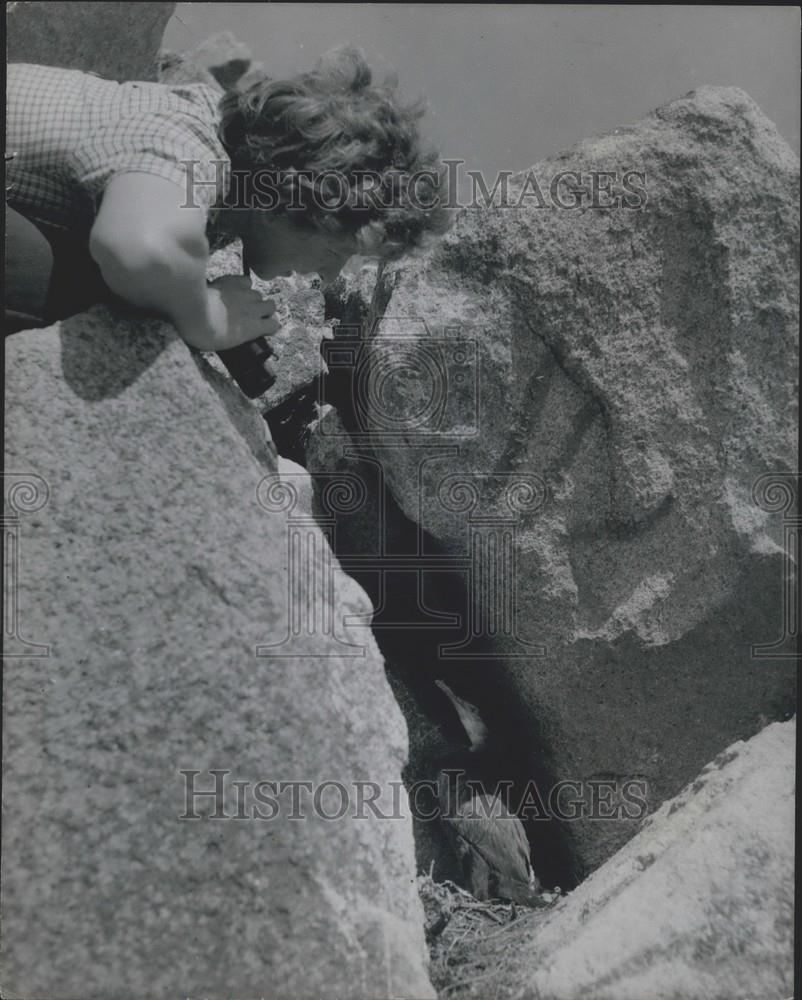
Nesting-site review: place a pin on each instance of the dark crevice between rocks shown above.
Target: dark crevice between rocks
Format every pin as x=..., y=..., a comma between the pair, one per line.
x=290, y=422
x=406, y=604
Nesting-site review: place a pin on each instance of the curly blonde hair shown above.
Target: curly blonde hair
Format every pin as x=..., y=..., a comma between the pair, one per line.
x=322, y=134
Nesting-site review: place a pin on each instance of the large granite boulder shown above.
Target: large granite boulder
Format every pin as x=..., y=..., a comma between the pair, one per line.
x=576, y=404
x=174, y=609
x=118, y=41
x=698, y=906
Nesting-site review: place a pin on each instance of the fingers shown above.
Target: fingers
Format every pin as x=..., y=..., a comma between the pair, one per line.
x=232, y=281
x=252, y=303
x=241, y=285
x=247, y=315
x=262, y=307
x=259, y=325
x=255, y=304
x=270, y=327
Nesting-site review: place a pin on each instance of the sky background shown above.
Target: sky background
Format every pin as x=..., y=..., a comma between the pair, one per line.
x=509, y=85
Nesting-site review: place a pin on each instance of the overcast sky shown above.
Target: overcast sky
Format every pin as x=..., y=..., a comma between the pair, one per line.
x=509, y=85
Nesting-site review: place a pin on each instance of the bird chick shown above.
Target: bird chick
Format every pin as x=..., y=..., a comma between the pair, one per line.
x=488, y=838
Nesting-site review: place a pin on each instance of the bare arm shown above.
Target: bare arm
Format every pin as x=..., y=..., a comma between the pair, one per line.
x=153, y=253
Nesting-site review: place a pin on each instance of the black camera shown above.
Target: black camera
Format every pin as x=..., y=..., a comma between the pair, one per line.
x=248, y=364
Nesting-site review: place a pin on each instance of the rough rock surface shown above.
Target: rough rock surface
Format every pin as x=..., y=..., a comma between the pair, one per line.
x=365, y=534
x=349, y=296
x=152, y=573
x=698, y=906
x=634, y=369
x=118, y=41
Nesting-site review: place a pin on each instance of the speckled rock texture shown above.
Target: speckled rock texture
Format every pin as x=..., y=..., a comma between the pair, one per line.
x=154, y=562
x=607, y=384
x=348, y=297
x=698, y=906
x=118, y=41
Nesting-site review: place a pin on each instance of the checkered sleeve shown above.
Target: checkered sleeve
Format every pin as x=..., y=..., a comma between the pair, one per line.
x=173, y=142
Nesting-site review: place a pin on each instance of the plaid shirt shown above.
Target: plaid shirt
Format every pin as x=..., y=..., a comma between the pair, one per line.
x=73, y=131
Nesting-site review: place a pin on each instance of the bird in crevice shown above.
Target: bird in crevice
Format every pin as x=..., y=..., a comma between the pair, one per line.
x=488, y=839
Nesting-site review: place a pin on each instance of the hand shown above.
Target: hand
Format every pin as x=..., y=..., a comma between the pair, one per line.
x=236, y=312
